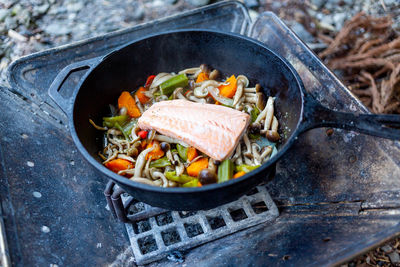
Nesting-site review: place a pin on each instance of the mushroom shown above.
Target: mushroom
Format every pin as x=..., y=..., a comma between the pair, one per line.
x=248, y=152
x=191, y=70
x=212, y=166
x=265, y=152
x=195, y=99
x=125, y=157
x=256, y=153
x=139, y=105
x=142, y=180
x=273, y=135
x=146, y=171
x=204, y=68
x=200, y=91
x=238, y=152
x=268, y=108
x=161, y=176
x=214, y=75
x=113, y=156
x=207, y=176
x=207, y=83
x=161, y=98
x=257, y=99
x=180, y=168
x=167, y=149
x=177, y=94
x=140, y=161
x=159, y=79
x=242, y=82
x=254, y=90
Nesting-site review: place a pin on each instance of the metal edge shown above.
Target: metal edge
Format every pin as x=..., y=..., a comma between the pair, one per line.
x=314, y=57
x=9, y=72
x=373, y=242
x=4, y=252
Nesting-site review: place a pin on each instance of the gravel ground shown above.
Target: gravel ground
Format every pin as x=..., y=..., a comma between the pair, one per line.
x=35, y=25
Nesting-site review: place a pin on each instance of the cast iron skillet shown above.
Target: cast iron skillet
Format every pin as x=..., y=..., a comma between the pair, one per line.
x=127, y=68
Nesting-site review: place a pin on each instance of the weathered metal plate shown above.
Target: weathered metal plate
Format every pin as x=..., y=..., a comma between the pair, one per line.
x=344, y=187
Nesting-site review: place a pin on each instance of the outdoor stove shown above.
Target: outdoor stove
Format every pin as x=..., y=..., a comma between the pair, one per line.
x=338, y=195
x=154, y=233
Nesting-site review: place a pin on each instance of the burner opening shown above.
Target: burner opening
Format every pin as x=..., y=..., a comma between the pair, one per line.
x=193, y=229
x=185, y=214
x=259, y=207
x=170, y=236
x=147, y=244
x=252, y=191
x=141, y=226
x=164, y=219
x=216, y=222
x=135, y=208
x=238, y=215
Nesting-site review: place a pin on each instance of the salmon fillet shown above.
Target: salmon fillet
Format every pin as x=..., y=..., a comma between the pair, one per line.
x=213, y=129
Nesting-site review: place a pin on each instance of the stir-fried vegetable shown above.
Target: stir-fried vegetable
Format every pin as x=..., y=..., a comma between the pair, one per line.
x=238, y=174
x=157, y=151
x=195, y=167
x=117, y=165
x=173, y=162
x=191, y=153
x=245, y=168
x=183, y=178
x=126, y=100
x=160, y=163
x=229, y=88
x=193, y=183
x=111, y=121
x=170, y=85
x=225, y=171
x=182, y=151
x=202, y=77
x=141, y=96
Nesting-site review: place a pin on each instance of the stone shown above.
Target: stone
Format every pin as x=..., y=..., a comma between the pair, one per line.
x=338, y=19
x=75, y=7
x=57, y=29
x=319, y=3
x=394, y=258
x=198, y=2
x=4, y=13
x=252, y=3
x=39, y=10
x=10, y=23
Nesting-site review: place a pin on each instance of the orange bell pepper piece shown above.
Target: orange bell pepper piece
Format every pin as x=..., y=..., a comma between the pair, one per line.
x=195, y=168
x=228, y=90
x=238, y=174
x=157, y=151
x=117, y=165
x=202, y=77
x=141, y=96
x=191, y=153
x=126, y=100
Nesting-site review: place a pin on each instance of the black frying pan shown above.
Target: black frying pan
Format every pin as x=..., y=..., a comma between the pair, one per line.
x=127, y=68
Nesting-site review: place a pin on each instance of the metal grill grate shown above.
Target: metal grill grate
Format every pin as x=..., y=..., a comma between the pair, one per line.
x=154, y=236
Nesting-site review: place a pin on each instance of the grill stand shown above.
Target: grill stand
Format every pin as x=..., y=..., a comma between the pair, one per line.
x=154, y=232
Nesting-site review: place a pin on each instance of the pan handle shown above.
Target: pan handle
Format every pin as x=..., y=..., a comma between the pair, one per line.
x=316, y=115
x=54, y=91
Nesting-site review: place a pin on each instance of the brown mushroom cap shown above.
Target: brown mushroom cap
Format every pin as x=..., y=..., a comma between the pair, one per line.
x=272, y=136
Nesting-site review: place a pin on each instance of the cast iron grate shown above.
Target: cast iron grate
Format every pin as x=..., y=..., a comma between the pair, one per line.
x=154, y=233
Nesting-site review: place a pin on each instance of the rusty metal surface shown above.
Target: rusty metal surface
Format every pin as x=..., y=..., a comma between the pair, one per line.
x=344, y=187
